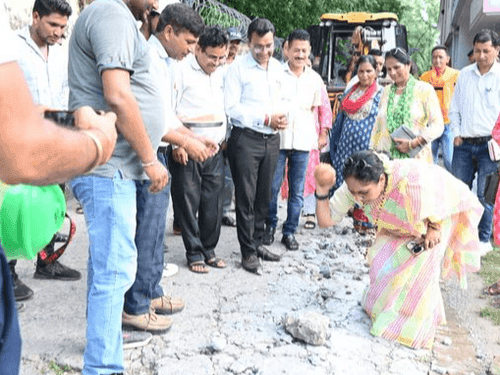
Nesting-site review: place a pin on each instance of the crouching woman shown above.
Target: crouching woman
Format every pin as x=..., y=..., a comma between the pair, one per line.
x=426, y=224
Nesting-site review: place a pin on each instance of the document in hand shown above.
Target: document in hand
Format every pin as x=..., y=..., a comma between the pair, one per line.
x=404, y=133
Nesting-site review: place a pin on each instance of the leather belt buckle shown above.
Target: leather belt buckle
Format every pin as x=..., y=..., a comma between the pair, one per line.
x=477, y=140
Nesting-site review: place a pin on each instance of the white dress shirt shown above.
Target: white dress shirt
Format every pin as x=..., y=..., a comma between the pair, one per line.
x=252, y=91
x=475, y=104
x=47, y=79
x=162, y=66
x=303, y=93
x=200, y=94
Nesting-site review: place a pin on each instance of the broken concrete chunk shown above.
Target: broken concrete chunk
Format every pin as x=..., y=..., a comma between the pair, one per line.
x=310, y=327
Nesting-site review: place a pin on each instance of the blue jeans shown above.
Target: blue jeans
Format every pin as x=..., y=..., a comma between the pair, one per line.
x=297, y=168
x=109, y=205
x=446, y=143
x=149, y=234
x=467, y=160
x=10, y=338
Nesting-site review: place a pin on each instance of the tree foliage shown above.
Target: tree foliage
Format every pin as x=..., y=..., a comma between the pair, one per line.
x=421, y=24
x=288, y=15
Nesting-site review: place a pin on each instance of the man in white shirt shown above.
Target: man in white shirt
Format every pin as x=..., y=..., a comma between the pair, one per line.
x=146, y=292
x=253, y=97
x=197, y=186
x=302, y=86
x=45, y=67
x=474, y=108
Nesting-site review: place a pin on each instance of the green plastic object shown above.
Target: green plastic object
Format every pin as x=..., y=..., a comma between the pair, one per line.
x=29, y=218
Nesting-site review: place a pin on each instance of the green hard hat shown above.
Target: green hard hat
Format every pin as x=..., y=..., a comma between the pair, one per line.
x=29, y=218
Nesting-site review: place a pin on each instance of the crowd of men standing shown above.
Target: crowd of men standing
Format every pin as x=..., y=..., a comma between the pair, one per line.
x=170, y=113
x=186, y=101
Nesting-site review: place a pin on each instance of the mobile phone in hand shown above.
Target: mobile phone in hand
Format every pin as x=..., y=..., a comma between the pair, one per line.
x=63, y=118
x=415, y=248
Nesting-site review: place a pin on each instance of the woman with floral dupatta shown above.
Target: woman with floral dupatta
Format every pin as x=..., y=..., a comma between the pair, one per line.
x=407, y=102
x=425, y=232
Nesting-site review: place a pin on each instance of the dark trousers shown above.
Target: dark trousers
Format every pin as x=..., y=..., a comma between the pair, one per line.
x=197, y=189
x=252, y=158
x=150, y=231
x=10, y=338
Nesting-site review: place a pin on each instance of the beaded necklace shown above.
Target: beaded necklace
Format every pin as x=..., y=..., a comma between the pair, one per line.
x=399, y=115
x=383, y=198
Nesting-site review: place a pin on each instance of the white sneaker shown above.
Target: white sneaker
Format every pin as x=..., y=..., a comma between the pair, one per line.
x=485, y=248
x=170, y=269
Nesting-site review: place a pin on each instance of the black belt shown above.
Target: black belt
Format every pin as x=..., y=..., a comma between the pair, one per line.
x=477, y=140
x=255, y=133
x=162, y=149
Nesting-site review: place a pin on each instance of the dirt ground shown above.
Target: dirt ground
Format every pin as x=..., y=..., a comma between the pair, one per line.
x=233, y=321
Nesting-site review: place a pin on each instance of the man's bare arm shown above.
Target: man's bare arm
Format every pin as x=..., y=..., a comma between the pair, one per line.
x=37, y=151
x=118, y=94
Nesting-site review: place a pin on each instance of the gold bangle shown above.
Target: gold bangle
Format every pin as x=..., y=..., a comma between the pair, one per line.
x=409, y=144
x=98, y=145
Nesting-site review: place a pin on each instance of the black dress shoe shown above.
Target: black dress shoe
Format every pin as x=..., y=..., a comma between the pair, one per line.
x=290, y=242
x=268, y=237
x=265, y=254
x=252, y=264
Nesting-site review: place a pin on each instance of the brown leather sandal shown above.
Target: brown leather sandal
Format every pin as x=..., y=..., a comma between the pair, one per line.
x=198, y=267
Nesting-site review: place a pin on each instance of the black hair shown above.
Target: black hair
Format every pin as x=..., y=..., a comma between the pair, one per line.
x=182, y=18
x=213, y=36
x=47, y=7
x=364, y=166
x=440, y=48
x=485, y=36
x=400, y=55
x=366, y=59
x=375, y=52
x=414, y=69
x=470, y=53
x=298, y=34
x=260, y=26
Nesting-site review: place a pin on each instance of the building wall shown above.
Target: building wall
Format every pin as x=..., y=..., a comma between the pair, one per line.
x=461, y=21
